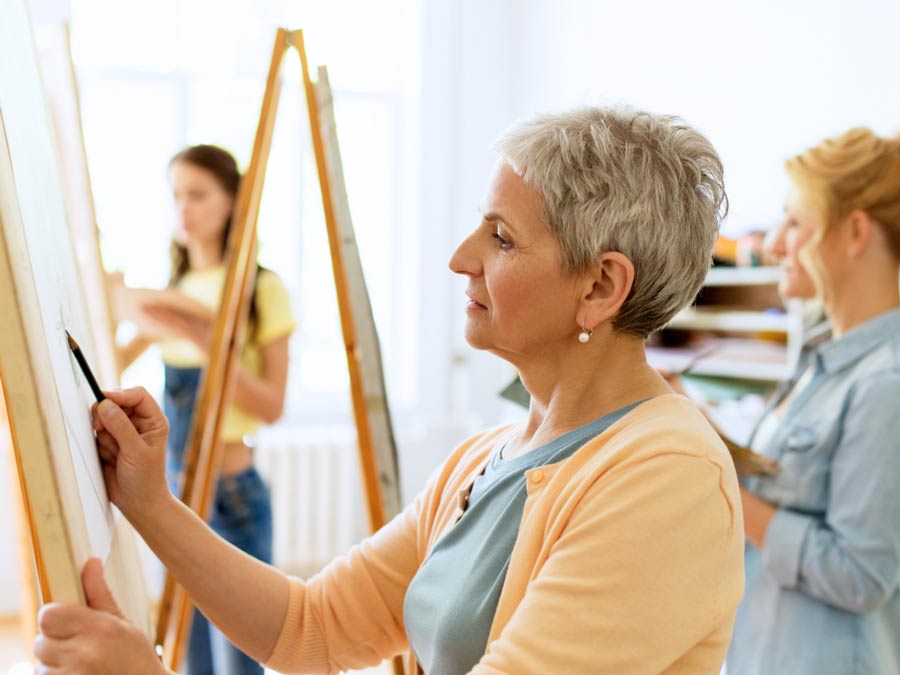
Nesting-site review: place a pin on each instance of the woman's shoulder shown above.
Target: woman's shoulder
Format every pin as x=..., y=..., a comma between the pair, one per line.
x=867, y=392
x=274, y=302
x=666, y=439
x=871, y=380
x=675, y=414
x=883, y=360
x=664, y=426
x=268, y=280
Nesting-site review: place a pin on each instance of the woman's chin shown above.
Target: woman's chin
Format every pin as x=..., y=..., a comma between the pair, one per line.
x=794, y=289
x=475, y=338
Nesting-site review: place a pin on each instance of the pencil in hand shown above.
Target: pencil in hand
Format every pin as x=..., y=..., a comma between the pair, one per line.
x=82, y=363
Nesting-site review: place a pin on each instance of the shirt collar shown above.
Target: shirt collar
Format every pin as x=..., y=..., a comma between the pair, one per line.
x=854, y=344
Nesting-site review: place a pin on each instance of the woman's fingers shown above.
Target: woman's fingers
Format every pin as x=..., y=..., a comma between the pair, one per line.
x=106, y=441
x=49, y=651
x=135, y=402
x=107, y=456
x=60, y=622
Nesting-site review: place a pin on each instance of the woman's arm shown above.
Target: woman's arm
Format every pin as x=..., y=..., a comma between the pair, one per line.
x=349, y=616
x=263, y=395
x=245, y=597
x=849, y=558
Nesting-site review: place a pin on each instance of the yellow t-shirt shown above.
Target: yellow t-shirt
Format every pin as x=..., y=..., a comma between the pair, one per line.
x=274, y=319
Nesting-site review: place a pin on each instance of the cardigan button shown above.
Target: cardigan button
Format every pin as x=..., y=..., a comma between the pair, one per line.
x=537, y=476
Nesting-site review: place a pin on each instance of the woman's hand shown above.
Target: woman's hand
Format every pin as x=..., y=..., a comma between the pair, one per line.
x=164, y=314
x=131, y=438
x=92, y=640
x=169, y=323
x=758, y=514
x=115, y=283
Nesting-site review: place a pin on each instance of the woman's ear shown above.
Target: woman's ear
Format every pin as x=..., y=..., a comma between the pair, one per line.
x=609, y=286
x=859, y=232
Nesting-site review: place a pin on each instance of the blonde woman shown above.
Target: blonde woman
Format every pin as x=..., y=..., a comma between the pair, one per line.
x=823, y=558
x=601, y=535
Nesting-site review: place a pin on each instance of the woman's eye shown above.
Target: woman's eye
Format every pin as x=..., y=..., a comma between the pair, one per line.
x=505, y=244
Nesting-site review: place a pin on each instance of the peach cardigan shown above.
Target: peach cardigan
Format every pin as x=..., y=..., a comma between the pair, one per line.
x=629, y=559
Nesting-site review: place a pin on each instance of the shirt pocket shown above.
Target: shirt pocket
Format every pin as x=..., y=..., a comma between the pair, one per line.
x=805, y=461
x=801, y=440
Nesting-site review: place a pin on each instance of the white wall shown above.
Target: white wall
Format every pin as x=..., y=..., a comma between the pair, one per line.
x=762, y=79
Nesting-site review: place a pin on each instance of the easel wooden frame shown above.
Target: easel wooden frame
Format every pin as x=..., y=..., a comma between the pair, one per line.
x=204, y=449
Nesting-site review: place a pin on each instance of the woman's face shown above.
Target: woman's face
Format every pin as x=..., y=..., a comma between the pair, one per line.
x=798, y=228
x=202, y=205
x=519, y=300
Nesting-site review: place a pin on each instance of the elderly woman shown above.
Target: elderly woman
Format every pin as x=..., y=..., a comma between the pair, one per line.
x=601, y=535
x=823, y=560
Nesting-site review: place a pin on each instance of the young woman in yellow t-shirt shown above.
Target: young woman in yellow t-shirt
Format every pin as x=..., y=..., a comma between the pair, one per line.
x=204, y=180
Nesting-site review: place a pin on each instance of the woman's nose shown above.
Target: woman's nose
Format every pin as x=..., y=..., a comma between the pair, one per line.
x=465, y=259
x=774, y=241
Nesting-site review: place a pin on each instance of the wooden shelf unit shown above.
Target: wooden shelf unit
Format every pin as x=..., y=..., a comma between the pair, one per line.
x=739, y=327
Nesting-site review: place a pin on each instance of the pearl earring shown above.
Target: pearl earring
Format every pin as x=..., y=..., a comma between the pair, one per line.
x=585, y=335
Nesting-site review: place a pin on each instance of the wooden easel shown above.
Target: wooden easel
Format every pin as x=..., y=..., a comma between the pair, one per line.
x=377, y=451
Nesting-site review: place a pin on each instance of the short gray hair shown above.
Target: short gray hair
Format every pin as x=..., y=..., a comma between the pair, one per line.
x=616, y=179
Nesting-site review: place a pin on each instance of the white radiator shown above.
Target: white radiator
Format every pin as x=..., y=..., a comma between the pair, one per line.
x=316, y=494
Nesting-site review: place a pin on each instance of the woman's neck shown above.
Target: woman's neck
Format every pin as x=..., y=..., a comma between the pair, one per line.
x=857, y=303
x=204, y=254
x=585, y=383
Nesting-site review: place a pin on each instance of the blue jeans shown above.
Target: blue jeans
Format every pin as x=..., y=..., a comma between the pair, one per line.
x=242, y=515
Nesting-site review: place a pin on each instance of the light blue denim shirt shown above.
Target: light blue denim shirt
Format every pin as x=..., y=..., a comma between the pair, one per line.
x=822, y=594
